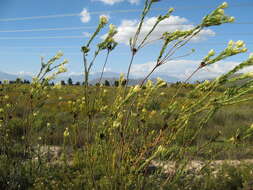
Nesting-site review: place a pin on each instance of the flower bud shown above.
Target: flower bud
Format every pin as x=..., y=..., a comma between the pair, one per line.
x=239, y=44
x=171, y=10
x=59, y=55
x=62, y=69
x=112, y=28
x=211, y=53
x=231, y=19
x=221, y=11
x=244, y=50
x=231, y=43
x=224, y=5
x=103, y=19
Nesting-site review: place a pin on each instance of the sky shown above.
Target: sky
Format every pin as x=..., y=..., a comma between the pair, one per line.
x=30, y=29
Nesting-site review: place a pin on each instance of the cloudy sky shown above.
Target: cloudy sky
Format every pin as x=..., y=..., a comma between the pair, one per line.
x=30, y=29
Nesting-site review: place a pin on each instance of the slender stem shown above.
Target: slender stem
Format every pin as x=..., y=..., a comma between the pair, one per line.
x=128, y=71
x=142, y=83
x=103, y=69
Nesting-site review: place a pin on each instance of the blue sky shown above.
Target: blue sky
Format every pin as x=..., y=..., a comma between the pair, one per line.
x=20, y=51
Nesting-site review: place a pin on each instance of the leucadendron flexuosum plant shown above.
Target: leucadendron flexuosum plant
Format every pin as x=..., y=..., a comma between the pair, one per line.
x=123, y=143
x=112, y=133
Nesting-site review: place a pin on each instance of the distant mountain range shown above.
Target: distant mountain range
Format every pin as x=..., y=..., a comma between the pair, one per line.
x=93, y=78
x=7, y=76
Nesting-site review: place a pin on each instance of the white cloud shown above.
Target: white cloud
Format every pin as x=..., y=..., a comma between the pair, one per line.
x=134, y=1
x=128, y=27
x=182, y=69
x=85, y=16
x=112, y=2
x=87, y=34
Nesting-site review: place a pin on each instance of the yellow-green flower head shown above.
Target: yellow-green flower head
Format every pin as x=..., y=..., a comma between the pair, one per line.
x=171, y=10
x=211, y=53
x=48, y=124
x=62, y=69
x=149, y=84
x=65, y=61
x=137, y=89
x=221, y=11
x=116, y=124
x=66, y=132
x=231, y=19
x=103, y=19
x=59, y=55
x=251, y=56
x=231, y=43
x=244, y=50
x=161, y=149
x=224, y=5
x=112, y=29
x=240, y=44
x=8, y=105
x=6, y=97
x=60, y=98
x=1, y=110
x=160, y=82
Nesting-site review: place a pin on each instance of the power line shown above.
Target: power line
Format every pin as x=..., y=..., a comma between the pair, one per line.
x=111, y=12
x=42, y=37
x=85, y=27
x=83, y=36
x=48, y=29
